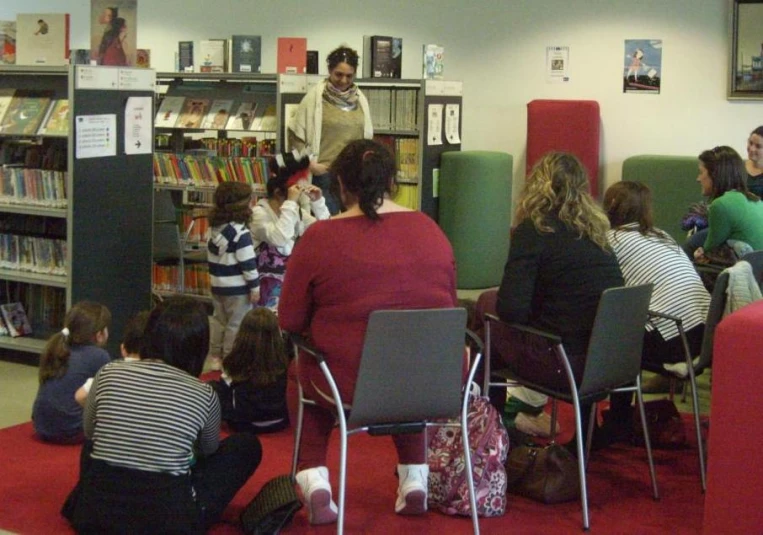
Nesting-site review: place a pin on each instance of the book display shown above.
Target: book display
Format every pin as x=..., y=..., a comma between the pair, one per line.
x=185, y=56
x=433, y=62
x=7, y=42
x=230, y=143
x=52, y=199
x=382, y=56
x=42, y=39
x=292, y=55
x=245, y=53
x=213, y=55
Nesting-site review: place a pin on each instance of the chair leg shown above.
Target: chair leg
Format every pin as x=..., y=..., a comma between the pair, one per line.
x=554, y=415
x=698, y=428
x=589, y=431
x=647, y=441
x=581, y=462
x=297, y=431
x=469, y=474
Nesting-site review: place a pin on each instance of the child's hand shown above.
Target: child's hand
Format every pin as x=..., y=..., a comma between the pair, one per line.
x=293, y=193
x=313, y=192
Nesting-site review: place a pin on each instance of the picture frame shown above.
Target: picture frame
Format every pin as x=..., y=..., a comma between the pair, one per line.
x=746, y=54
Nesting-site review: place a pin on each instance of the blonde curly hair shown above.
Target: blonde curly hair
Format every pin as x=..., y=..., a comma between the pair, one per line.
x=558, y=184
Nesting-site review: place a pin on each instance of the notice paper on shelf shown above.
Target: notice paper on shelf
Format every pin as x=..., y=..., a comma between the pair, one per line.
x=96, y=136
x=138, y=118
x=452, y=120
x=434, y=126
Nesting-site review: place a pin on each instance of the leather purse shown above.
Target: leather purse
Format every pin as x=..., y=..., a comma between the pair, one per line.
x=273, y=507
x=548, y=474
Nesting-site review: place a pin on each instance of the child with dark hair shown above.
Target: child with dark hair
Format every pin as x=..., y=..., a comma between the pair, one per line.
x=293, y=204
x=70, y=358
x=252, y=389
x=232, y=263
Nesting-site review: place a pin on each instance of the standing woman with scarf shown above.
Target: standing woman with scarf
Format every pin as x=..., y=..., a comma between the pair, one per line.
x=333, y=113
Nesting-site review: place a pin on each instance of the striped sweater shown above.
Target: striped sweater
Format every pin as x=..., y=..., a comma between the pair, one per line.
x=148, y=415
x=678, y=290
x=232, y=261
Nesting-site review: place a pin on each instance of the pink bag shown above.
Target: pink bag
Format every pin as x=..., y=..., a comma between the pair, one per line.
x=448, y=487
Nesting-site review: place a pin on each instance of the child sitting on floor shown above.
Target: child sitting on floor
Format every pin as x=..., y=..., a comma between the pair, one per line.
x=71, y=356
x=130, y=349
x=252, y=389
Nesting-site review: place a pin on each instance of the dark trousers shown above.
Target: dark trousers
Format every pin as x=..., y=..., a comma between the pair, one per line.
x=111, y=499
x=326, y=183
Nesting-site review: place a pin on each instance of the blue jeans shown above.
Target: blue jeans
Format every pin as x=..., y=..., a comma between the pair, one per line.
x=325, y=182
x=694, y=242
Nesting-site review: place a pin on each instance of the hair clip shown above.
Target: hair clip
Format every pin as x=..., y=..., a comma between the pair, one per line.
x=65, y=332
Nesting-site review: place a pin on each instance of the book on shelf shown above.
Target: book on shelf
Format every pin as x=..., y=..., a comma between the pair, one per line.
x=218, y=114
x=169, y=111
x=382, y=56
x=242, y=119
x=312, y=62
x=6, y=96
x=79, y=56
x=143, y=58
x=433, y=62
x=291, y=55
x=265, y=119
x=15, y=319
x=25, y=113
x=245, y=53
x=7, y=42
x=193, y=112
x=42, y=39
x=57, y=121
x=213, y=55
x=114, y=32
x=185, y=56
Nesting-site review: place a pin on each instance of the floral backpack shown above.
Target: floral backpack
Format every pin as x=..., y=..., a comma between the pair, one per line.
x=448, y=488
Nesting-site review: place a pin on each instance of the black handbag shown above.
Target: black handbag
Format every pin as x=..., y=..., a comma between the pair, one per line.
x=273, y=507
x=548, y=474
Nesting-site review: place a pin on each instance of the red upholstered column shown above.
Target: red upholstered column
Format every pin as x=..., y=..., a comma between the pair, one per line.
x=734, y=500
x=565, y=125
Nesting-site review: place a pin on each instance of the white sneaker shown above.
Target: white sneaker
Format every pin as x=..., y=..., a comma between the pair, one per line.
x=537, y=426
x=679, y=368
x=215, y=363
x=316, y=494
x=412, y=489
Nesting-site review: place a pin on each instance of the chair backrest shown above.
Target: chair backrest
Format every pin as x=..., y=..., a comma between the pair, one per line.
x=714, y=316
x=755, y=259
x=411, y=368
x=614, y=350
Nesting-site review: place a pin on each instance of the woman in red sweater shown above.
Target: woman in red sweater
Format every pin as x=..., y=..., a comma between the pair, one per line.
x=370, y=257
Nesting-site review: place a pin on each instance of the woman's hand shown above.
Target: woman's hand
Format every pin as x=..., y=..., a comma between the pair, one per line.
x=313, y=192
x=318, y=168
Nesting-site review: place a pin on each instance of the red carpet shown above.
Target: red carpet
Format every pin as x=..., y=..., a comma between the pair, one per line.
x=36, y=478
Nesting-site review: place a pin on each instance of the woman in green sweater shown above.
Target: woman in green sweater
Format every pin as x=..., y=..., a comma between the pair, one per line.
x=734, y=212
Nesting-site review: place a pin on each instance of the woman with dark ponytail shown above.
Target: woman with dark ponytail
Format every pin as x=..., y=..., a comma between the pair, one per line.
x=370, y=257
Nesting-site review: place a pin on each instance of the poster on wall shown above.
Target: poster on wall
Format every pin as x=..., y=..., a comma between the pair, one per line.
x=557, y=64
x=642, y=68
x=113, y=32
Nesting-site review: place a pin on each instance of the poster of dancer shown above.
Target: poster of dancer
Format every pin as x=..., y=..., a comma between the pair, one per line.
x=642, y=67
x=113, y=32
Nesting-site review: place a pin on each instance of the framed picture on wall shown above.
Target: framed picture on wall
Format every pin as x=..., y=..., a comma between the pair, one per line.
x=746, y=76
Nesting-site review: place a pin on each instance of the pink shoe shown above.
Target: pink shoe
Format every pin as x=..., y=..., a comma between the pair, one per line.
x=412, y=489
x=316, y=495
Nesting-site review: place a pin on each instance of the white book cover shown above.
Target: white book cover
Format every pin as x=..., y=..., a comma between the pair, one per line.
x=16, y=319
x=265, y=121
x=42, y=39
x=168, y=112
x=218, y=115
x=212, y=53
x=6, y=96
x=242, y=119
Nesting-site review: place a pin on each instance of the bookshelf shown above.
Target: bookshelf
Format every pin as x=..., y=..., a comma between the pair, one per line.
x=399, y=114
x=86, y=220
x=193, y=156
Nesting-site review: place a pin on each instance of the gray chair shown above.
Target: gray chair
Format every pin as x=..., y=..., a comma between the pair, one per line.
x=410, y=377
x=537, y=360
x=696, y=366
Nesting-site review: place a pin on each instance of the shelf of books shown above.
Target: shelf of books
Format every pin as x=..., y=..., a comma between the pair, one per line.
x=210, y=128
x=52, y=255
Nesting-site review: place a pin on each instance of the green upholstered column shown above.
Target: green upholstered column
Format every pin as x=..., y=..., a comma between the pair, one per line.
x=475, y=213
x=673, y=181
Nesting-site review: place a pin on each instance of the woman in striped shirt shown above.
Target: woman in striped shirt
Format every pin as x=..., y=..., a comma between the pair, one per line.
x=649, y=255
x=154, y=462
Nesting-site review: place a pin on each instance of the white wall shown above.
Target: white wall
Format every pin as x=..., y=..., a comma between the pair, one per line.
x=497, y=47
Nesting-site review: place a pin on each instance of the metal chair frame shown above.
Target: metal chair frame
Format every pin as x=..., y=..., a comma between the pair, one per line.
x=349, y=425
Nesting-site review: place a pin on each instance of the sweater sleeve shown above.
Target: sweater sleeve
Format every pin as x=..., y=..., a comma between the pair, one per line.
x=719, y=224
x=278, y=233
x=247, y=261
x=515, y=295
x=209, y=438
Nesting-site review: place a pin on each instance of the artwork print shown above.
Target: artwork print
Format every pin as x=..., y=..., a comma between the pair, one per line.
x=642, y=66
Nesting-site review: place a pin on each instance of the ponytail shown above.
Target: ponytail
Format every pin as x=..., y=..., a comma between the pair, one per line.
x=368, y=172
